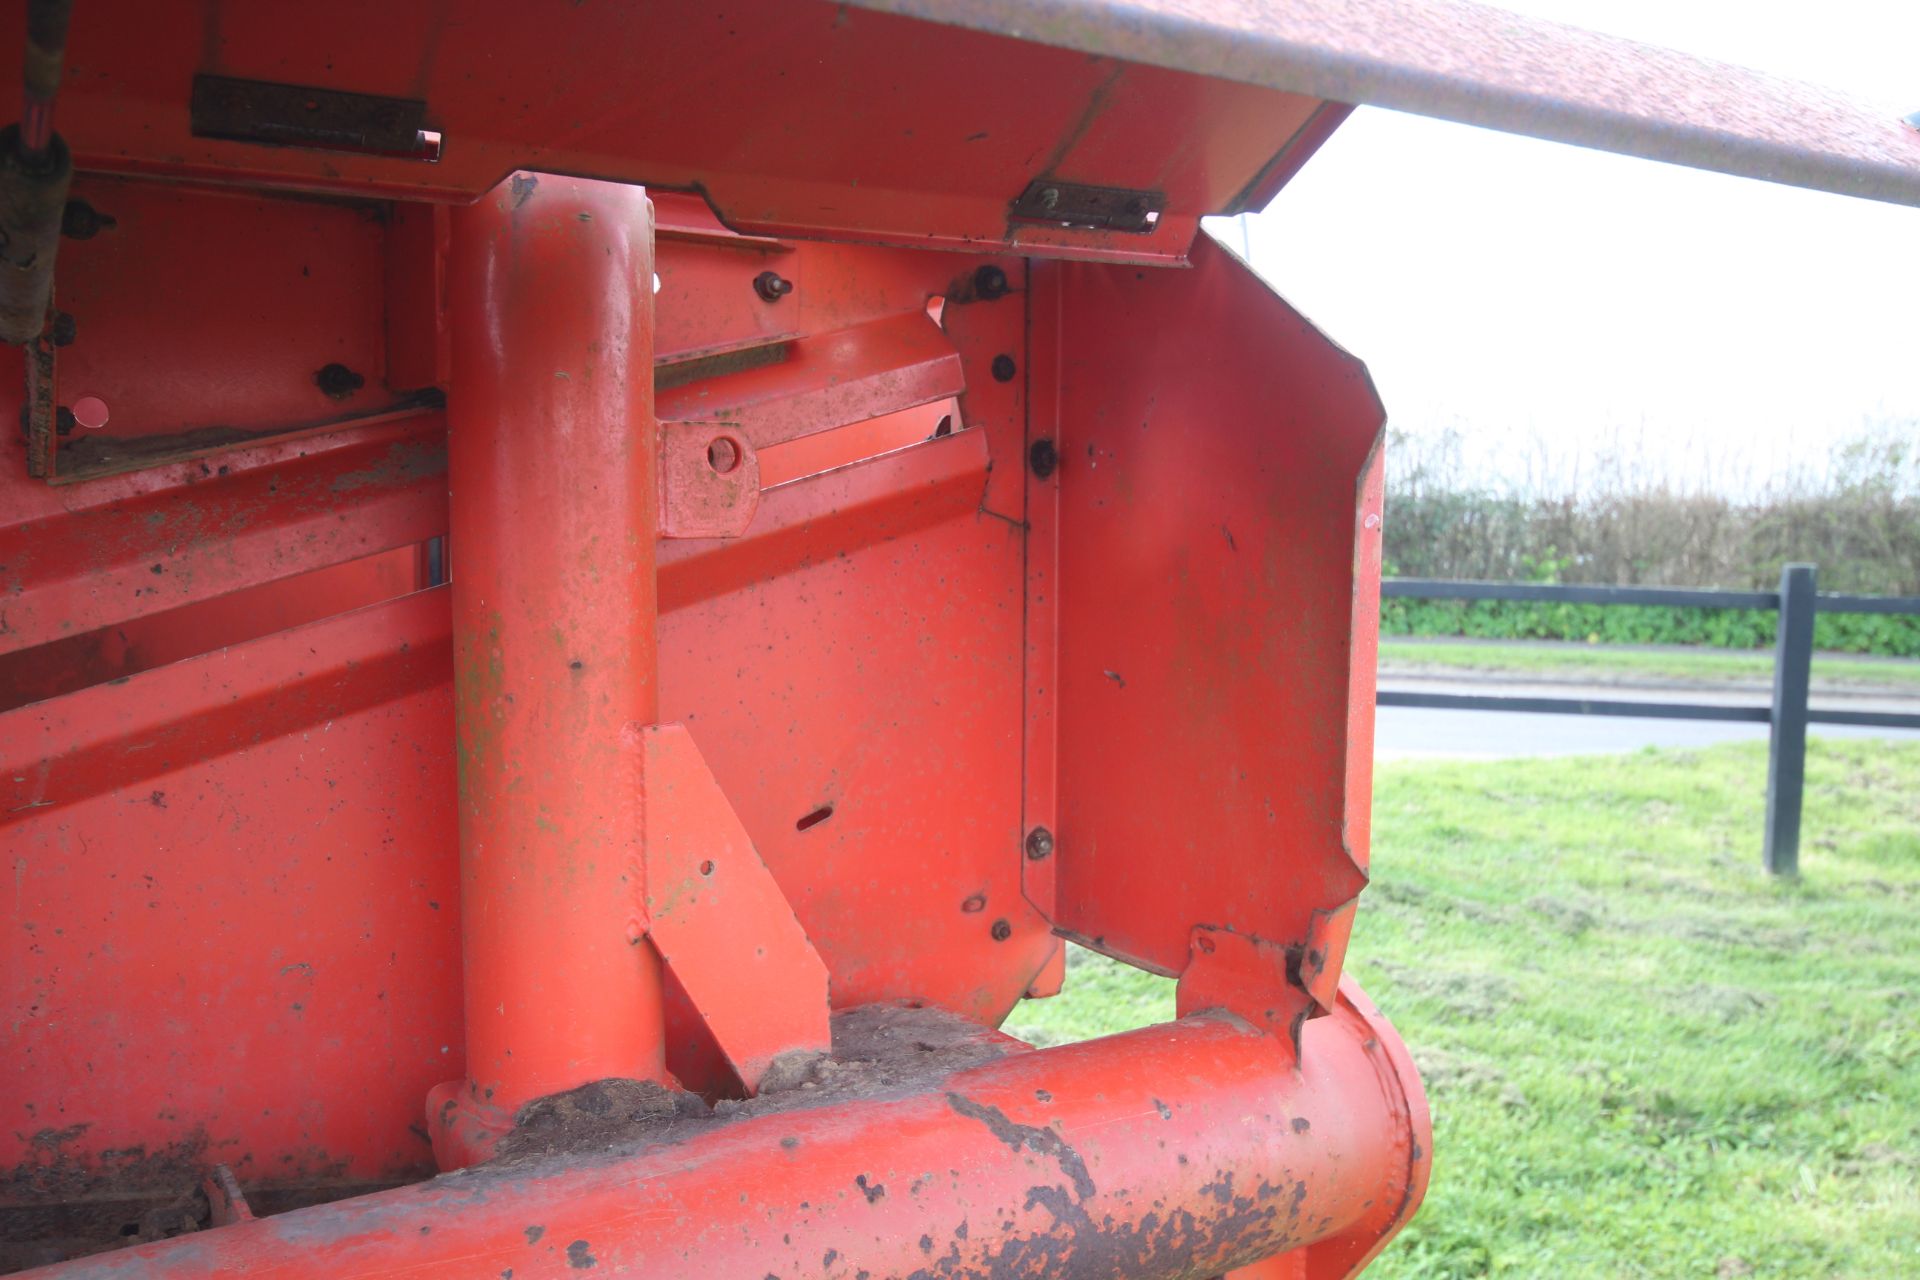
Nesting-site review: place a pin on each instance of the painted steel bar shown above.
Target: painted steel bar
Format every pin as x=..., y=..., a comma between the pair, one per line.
x=823, y=381
x=74, y=572
x=1487, y=66
x=1668, y=597
x=1787, y=747
x=1572, y=706
x=552, y=457
x=1834, y=602
x=1185, y=1149
x=1636, y=710
x=1865, y=719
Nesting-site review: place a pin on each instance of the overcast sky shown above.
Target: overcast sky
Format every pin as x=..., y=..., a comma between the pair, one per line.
x=1518, y=289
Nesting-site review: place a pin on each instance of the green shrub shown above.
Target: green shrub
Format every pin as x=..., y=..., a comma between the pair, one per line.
x=1858, y=521
x=1887, y=635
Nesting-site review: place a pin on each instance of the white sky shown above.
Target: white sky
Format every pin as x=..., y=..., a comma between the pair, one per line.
x=1518, y=289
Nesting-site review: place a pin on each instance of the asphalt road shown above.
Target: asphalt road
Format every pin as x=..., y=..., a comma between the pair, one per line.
x=1419, y=732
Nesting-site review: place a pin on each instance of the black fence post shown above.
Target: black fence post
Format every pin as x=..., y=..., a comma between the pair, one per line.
x=1787, y=749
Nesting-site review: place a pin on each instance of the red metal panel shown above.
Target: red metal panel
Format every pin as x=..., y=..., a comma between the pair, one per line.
x=233, y=936
x=141, y=644
x=679, y=95
x=851, y=672
x=1212, y=451
x=175, y=285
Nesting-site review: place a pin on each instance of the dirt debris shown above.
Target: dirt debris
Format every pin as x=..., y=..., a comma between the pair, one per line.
x=879, y=1051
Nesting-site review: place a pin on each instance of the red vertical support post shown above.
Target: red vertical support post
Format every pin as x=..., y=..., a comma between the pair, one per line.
x=552, y=462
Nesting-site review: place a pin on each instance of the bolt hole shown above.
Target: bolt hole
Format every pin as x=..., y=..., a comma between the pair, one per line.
x=90, y=412
x=130, y=1229
x=724, y=455
x=706, y=868
x=815, y=818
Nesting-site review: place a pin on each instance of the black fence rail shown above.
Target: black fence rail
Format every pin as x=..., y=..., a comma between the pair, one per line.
x=1797, y=602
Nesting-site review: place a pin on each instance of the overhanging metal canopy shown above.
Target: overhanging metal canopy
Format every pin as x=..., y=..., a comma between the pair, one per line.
x=1481, y=65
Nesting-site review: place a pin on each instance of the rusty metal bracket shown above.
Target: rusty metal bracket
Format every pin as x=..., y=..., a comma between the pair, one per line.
x=226, y=1203
x=1070, y=204
x=709, y=480
x=261, y=111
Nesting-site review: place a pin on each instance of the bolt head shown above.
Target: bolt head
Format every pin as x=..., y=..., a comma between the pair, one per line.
x=1039, y=843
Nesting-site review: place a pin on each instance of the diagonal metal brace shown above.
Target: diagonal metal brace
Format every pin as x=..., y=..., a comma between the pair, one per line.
x=720, y=920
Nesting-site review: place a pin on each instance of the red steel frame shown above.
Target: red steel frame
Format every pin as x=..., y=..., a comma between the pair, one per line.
x=835, y=648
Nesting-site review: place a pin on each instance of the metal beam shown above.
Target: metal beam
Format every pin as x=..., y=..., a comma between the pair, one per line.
x=1480, y=65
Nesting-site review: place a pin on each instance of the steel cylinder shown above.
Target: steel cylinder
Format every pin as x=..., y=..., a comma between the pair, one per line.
x=552, y=460
x=1182, y=1150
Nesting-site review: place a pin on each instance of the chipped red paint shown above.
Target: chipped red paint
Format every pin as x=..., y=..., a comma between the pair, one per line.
x=853, y=591
x=1178, y=1151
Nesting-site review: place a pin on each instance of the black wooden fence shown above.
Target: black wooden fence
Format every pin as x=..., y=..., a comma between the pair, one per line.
x=1796, y=602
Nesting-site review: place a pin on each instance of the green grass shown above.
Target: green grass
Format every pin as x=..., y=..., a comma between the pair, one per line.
x=1666, y=664
x=1644, y=1057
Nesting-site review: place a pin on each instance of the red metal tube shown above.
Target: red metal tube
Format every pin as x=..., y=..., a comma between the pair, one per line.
x=552, y=458
x=1175, y=1151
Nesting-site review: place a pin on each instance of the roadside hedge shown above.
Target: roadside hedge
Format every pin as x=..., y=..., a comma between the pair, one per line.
x=1882, y=634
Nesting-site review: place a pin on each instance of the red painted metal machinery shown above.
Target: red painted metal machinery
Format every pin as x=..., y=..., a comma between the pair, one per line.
x=589, y=593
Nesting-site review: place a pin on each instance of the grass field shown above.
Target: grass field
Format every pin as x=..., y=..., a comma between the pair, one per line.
x=1644, y=1057
x=1613, y=662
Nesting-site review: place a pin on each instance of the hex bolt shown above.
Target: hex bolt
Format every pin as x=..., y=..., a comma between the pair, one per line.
x=989, y=282
x=1001, y=931
x=1004, y=368
x=1039, y=843
x=81, y=221
x=337, y=382
x=1044, y=458
x=772, y=286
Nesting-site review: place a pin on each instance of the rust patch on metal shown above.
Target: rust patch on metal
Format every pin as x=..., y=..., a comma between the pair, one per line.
x=404, y=462
x=90, y=457
x=681, y=372
x=1042, y=1142
x=265, y=112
